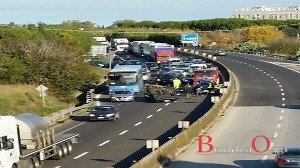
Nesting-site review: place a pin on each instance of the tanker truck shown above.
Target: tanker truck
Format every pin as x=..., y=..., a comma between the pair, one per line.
x=26, y=140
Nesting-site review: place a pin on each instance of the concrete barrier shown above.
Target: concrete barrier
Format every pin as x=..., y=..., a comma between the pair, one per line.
x=162, y=156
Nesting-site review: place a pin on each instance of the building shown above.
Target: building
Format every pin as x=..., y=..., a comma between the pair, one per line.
x=277, y=13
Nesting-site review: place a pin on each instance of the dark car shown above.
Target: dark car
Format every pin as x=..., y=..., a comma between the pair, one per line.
x=151, y=65
x=134, y=62
x=167, y=78
x=287, y=157
x=104, y=112
x=99, y=63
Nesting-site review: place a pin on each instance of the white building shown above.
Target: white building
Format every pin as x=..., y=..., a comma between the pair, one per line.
x=277, y=13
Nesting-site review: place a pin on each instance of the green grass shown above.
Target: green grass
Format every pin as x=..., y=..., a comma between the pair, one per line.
x=16, y=99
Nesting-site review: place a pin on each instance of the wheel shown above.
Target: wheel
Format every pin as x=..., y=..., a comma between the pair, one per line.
x=64, y=149
x=36, y=162
x=59, y=153
x=69, y=147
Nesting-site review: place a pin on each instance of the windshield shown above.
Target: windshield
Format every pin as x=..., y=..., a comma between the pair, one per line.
x=122, y=78
x=205, y=73
x=102, y=109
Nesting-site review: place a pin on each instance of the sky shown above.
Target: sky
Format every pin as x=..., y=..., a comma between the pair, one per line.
x=106, y=12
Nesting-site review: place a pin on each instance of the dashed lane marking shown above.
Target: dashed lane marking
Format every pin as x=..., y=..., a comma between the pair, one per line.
x=278, y=125
x=80, y=155
x=103, y=143
x=149, y=116
x=275, y=135
x=123, y=132
x=137, y=124
x=159, y=110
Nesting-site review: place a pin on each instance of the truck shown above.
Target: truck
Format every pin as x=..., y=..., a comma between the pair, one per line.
x=161, y=52
x=27, y=139
x=119, y=44
x=211, y=74
x=138, y=47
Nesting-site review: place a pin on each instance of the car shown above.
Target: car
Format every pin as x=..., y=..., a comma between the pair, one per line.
x=146, y=76
x=121, y=95
x=220, y=53
x=99, y=63
x=167, y=78
x=133, y=62
x=151, y=65
x=287, y=157
x=104, y=112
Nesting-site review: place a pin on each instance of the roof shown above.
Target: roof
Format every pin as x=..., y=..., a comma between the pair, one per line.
x=126, y=68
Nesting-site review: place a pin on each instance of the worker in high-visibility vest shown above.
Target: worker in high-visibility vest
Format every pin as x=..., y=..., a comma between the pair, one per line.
x=176, y=83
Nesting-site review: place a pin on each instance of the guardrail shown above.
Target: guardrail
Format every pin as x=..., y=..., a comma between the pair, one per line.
x=164, y=154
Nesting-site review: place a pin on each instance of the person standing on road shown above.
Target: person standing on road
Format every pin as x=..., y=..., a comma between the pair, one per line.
x=188, y=90
x=176, y=83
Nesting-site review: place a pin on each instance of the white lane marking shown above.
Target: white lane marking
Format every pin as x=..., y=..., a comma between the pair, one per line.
x=282, y=94
x=159, y=110
x=268, y=74
x=57, y=167
x=275, y=79
x=278, y=125
x=280, y=85
x=283, y=105
x=260, y=70
x=275, y=135
x=278, y=82
x=167, y=104
x=282, y=110
x=265, y=157
x=80, y=155
x=281, y=90
x=272, y=77
x=283, y=99
x=256, y=68
x=72, y=127
x=281, y=117
x=137, y=124
x=123, y=132
x=271, y=144
x=149, y=116
x=120, y=104
x=265, y=72
x=103, y=143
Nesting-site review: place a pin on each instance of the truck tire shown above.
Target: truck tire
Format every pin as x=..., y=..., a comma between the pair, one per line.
x=59, y=153
x=69, y=147
x=64, y=149
x=36, y=162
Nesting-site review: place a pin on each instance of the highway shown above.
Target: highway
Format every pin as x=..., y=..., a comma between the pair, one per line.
x=266, y=104
x=118, y=144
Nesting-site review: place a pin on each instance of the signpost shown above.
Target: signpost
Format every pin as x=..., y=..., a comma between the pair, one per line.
x=190, y=39
x=111, y=56
x=42, y=89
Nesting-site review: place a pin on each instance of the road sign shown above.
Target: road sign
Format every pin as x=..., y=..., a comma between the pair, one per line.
x=190, y=39
x=41, y=88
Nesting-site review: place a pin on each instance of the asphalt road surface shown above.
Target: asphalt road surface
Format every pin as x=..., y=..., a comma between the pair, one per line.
x=265, y=111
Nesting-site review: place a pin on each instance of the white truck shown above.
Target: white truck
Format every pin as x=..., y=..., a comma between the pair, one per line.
x=119, y=44
x=138, y=47
x=26, y=140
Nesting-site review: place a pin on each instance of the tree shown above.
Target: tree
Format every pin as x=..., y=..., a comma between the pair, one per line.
x=263, y=34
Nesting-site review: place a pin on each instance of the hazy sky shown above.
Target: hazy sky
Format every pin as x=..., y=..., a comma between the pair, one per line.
x=105, y=12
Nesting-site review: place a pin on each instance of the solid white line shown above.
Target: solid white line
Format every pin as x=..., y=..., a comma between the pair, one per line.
x=72, y=127
x=281, y=117
x=265, y=157
x=137, y=124
x=104, y=143
x=278, y=125
x=167, y=104
x=159, y=110
x=275, y=135
x=80, y=155
x=149, y=116
x=123, y=132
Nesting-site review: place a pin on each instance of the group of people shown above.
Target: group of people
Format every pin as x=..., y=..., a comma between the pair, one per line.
x=188, y=88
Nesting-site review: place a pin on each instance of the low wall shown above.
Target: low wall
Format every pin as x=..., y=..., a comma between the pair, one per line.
x=170, y=150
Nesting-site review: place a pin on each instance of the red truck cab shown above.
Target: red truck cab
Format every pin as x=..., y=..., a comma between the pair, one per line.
x=207, y=73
